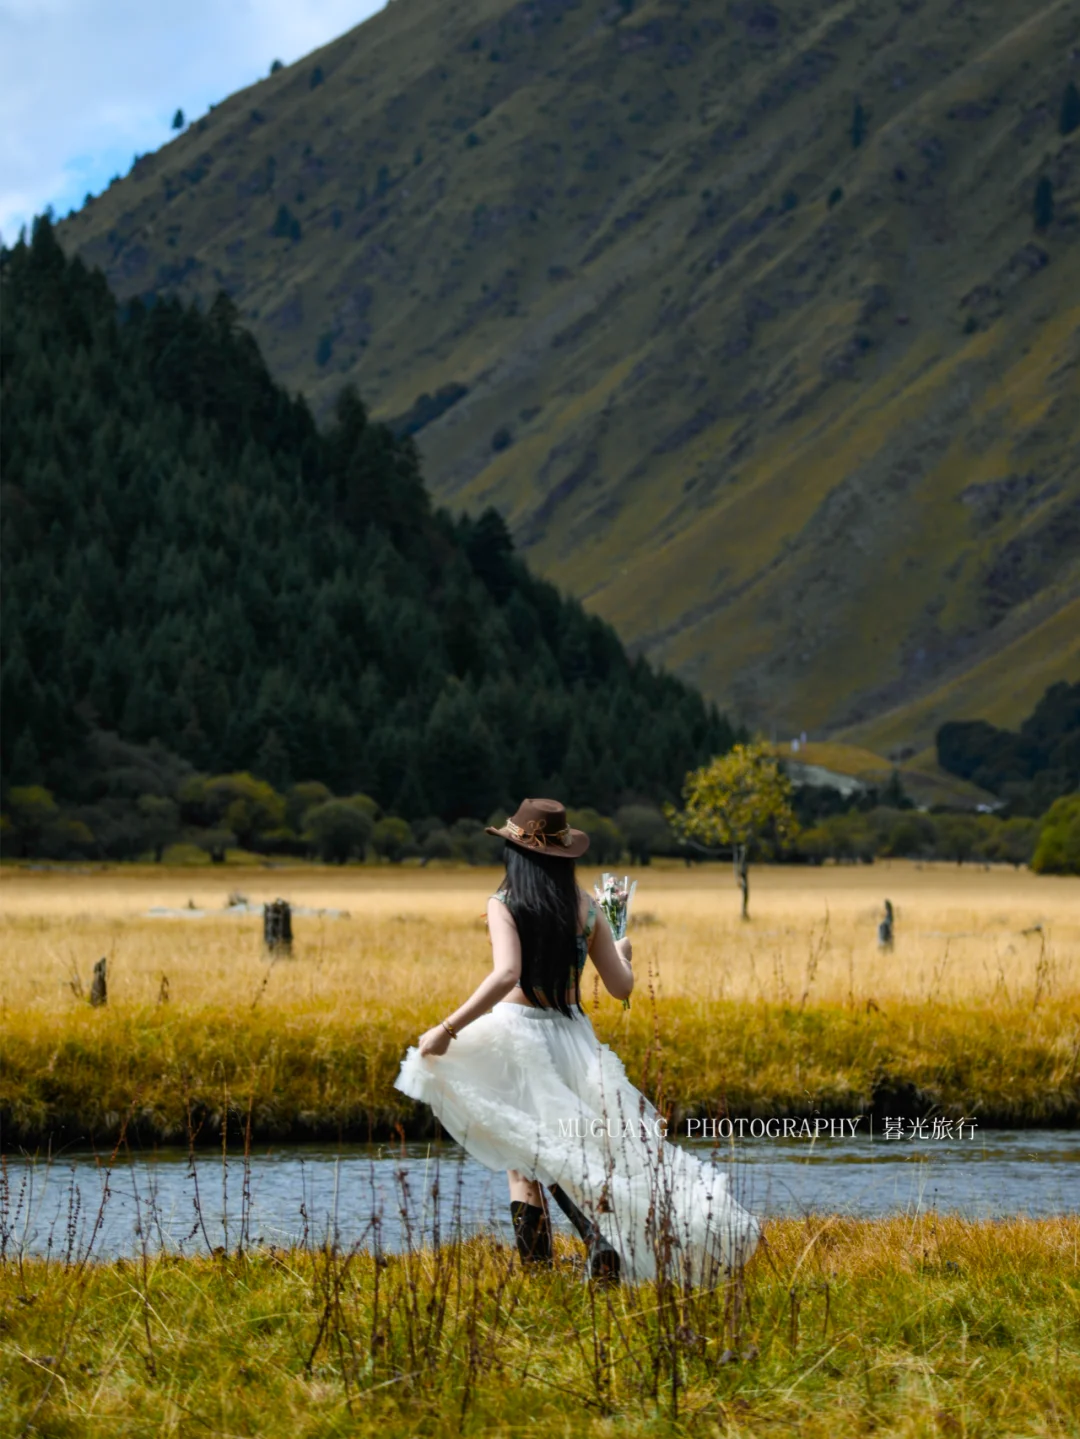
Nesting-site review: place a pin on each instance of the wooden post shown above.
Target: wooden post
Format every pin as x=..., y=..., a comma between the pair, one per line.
x=885, y=928
x=98, y=992
x=277, y=926
x=741, y=858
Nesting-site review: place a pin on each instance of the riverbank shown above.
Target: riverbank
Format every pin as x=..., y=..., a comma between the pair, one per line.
x=916, y=1325
x=321, y=1076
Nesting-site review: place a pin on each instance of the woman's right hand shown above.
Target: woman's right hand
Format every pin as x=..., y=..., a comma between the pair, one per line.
x=433, y=1042
x=625, y=948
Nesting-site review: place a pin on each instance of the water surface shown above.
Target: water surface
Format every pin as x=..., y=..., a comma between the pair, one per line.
x=392, y=1195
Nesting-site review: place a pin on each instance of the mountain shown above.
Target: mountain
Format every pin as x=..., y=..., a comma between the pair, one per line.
x=193, y=575
x=758, y=322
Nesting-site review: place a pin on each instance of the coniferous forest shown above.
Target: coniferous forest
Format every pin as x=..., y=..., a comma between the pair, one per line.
x=199, y=583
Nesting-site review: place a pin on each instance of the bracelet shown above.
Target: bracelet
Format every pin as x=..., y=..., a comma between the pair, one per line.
x=451, y=1031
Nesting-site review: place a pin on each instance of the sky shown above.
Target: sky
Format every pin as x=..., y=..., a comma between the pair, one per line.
x=86, y=85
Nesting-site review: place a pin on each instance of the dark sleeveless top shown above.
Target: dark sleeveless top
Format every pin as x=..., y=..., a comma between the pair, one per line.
x=582, y=939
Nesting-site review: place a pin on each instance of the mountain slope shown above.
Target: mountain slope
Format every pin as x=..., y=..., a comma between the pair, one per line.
x=193, y=574
x=800, y=415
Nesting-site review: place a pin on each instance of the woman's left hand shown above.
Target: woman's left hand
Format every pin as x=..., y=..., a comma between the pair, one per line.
x=434, y=1041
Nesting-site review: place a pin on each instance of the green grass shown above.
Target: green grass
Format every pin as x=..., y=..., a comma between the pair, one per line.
x=917, y=1325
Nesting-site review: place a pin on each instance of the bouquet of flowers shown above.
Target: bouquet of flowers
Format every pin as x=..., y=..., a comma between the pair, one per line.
x=614, y=896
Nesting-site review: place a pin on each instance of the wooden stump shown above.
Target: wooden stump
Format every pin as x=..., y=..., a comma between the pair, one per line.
x=98, y=991
x=277, y=927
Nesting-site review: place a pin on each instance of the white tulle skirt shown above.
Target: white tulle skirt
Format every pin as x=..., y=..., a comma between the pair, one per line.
x=536, y=1091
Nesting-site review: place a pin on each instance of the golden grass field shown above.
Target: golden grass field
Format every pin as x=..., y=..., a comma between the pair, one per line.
x=965, y=934
x=916, y=1325
x=978, y=1005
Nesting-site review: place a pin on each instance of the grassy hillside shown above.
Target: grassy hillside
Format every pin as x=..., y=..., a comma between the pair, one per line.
x=922, y=777
x=753, y=340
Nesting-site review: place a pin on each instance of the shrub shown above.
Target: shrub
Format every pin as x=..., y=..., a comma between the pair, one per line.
x=471, y=844
x=161, y=819
x=338, y=830
x=36, y=826
x=392, y=839
x=421, y=828
x=31, y=810
x=215, y=841
x=365, y=804
x=957, y=837
x=606, y=843
x=303, y=797
x=645, y=831
x=246, y=806
x=848, y=837
x=1058, y=848
x=437, y=844
x=68, y=838
x=912, y=834
x=1009, y=841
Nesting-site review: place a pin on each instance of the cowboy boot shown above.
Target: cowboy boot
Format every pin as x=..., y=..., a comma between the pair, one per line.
x=604, y=1262
x=532, y=1231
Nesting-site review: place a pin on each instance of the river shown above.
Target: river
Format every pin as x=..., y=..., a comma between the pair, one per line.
x=393, y=1195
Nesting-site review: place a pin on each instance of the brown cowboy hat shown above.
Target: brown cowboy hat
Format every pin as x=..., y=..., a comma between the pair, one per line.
x=540, y=825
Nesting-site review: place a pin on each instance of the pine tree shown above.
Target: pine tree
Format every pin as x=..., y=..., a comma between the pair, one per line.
x=219, y=582
x=411, y=800
x=461, y=766
x=272, y=760
x=578, y=767
x=25, y=762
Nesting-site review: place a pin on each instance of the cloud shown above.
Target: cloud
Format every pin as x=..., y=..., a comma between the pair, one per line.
x=85, y=85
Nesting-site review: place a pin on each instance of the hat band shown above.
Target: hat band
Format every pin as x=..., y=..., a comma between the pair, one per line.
x=534, y=833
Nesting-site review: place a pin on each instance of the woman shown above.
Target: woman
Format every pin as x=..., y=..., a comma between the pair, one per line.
x=518, y=1077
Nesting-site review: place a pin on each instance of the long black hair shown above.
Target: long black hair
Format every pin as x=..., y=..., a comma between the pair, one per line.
x=541, y=893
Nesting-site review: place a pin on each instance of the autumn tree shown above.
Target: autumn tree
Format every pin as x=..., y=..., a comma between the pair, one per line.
x=739, y=801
